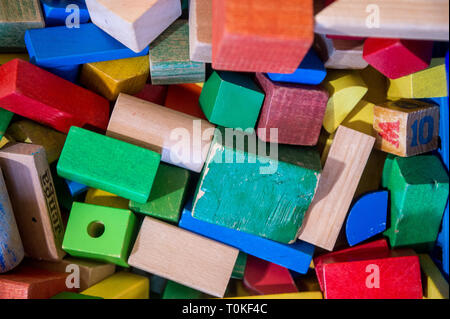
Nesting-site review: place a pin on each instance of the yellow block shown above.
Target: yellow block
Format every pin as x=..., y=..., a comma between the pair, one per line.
x=434, y=284
x=376, y=84
x=5, y=140
x=6, y=57
x=346, y=89
x=109, y=78
x=122, y=285
x=294, y=295
x=427, y=83
x=102, y=198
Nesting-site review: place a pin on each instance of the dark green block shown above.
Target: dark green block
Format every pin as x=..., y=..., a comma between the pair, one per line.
x=176, y=291
x=73, y=295
x=108, y=164
x=5, y=119
x=239, y=266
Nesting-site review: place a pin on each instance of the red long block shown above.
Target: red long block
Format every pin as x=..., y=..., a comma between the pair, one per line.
x=41, y=96
x=296, y=110
x=261, y=36
x=265, y=278
x=396, y=58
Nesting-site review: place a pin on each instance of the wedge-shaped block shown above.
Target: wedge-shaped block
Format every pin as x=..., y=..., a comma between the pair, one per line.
x=59, y=12
x=200, y=30
x=102, y=198
x=136, y=23
x=238, y=190
x=106, y=163
x=185, y=98
x=101, y=233
x=75, y=188
x=406, y=127
x=434, y=284
x=169, y=57
x=174, y=290
x=232, y=100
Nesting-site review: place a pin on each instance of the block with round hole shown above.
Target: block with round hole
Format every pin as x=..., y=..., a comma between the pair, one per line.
x=101, y=233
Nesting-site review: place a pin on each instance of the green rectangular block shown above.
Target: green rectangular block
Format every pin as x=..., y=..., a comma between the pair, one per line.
x=108, y=164
x=239, y=266
x=5, y=119
x=167, y=194
x=73, y=295
x=100, y=233
x=175, y=290
x=244, y=189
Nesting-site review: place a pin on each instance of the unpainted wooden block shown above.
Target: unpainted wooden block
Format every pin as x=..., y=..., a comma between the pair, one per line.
x=200, y=30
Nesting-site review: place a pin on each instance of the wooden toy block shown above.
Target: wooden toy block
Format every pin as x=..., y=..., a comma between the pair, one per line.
x=5, y=119
x=16, y=17
x=6, y=57
x=106, y=163
x=406, y=127
x=134, y=24
x=26, y=131
x=11, y=248
x=296, y=256
x=65, y=198
x=67, y=72
x=185, y=98
x=110, y=78
x=310, y=71
x=102, y=198
x=75, y=188
x=121, y=285
x=265, y=278
x=418, y=187
x=427, y=83
x=367, y=217
x=232, y=100
x=159, y=128
x=340, y=177
x=157, y=284
x=396, y=58
x=91, y=272
x=309, y=281
x=389, y=19
x=62, y=46
x=256, y=207
x=339, y=53
x=33, y=198
x=169, y=57
x=195, y=261
x=443, y=241
x=376, y=83
x=167, y=195
x=59, y=12
x=200, y=30
x=100, y=233
x=239, y=266
x=153, y=93
x=174, y=290
x=434, y=284
x=293, y=295
x=25, y=282
x=296, y=110
x=73, y=295
x=346, y=89
x=250, y=37
x=36, y=94
x=5, y=140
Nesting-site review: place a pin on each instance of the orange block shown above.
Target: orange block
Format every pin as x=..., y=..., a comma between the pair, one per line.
x=184, y=98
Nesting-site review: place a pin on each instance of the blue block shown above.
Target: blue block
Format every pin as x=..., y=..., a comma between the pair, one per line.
x=367, y=217
x=55, y=13
x=443, y=241
x=295, y=256
x=311, y=71
x=69, y=72
x=75, y=188
x=61, y=46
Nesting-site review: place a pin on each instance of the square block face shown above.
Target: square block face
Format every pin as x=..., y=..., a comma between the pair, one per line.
x=99, y=232
x=267, y=200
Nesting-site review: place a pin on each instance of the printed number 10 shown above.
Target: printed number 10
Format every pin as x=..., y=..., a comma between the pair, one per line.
x=422, y=140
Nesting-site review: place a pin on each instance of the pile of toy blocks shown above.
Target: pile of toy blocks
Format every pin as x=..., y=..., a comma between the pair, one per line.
x=279, y=149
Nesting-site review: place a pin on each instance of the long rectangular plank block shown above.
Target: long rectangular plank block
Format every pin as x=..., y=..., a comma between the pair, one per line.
x=106, y=163
x=31, y=92
x=195, y=261
x=340, y=177
x=200, y=30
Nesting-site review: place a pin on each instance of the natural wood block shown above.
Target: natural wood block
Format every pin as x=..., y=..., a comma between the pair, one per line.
x=102, y=198
x=134, y=24
x=340, y=177
x=434, y=284
x=256, y=206
x=185, y=98
x=195, y=261
x=346, y=89
x=31, y=92
x=5, y=119
x=11, y=248
x=159, y=128
x=110, y=78
x=26, y=131
x=200, y=30
x=249, y=36
x=420, y=19
x=406, y=127
x=153, y=93
x=376, y=83
x=33, y=198
x=6, y=57
x=57, y=12
x=427, y=83
x=396, y=58
x=122, y=285
x=296, y=110
x=169, y=57
x=15, y=18
x=106, y=163
x=174, y=290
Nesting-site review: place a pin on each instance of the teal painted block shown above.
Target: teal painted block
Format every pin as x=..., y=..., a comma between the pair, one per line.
x=167, y=195
x=231, y=100
x=100, y=233
x=266, y=196
x=108, y=164
x=5, y=119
